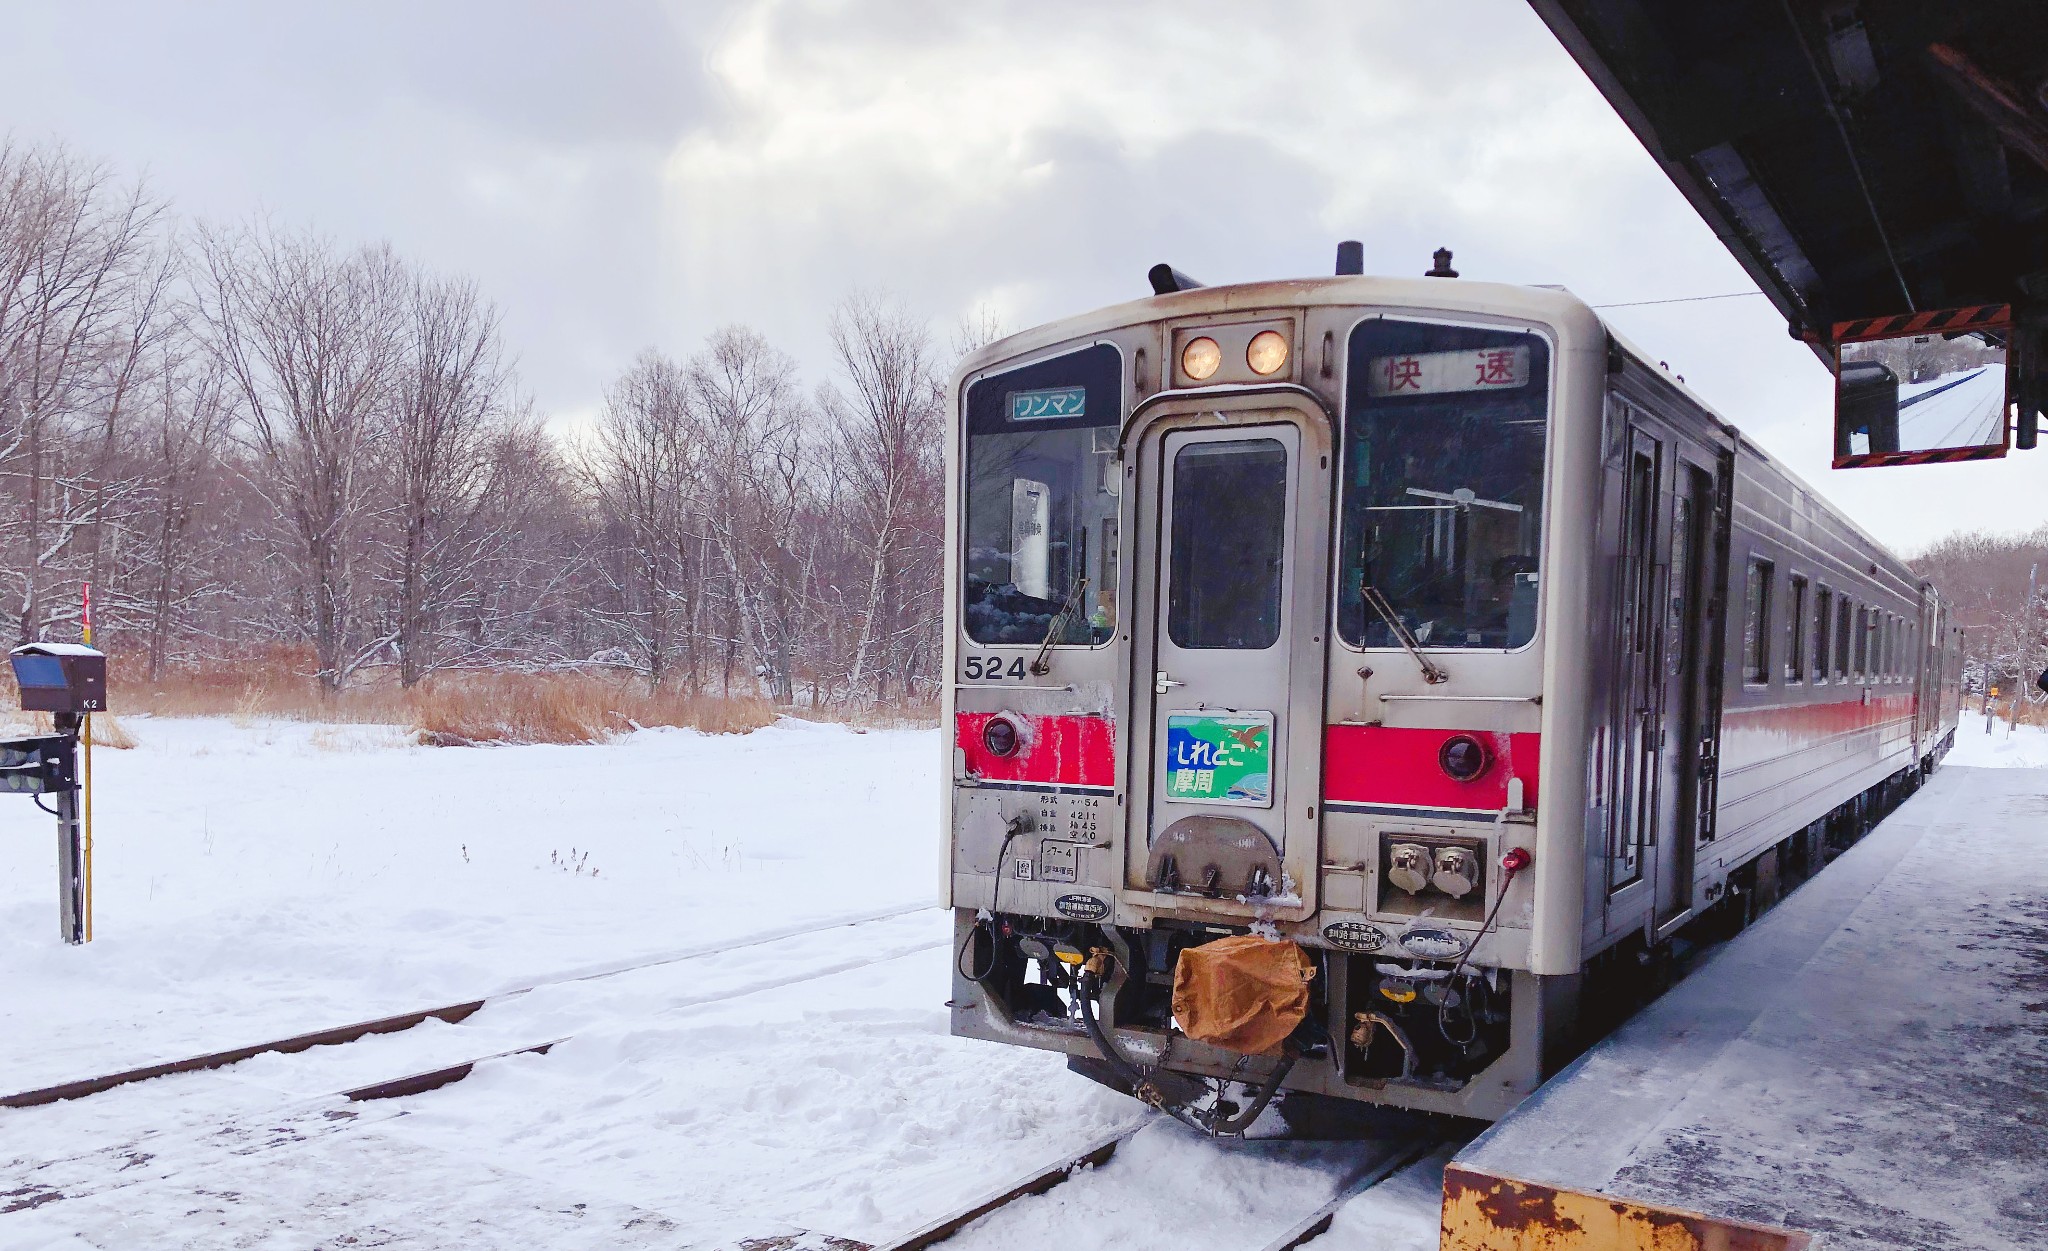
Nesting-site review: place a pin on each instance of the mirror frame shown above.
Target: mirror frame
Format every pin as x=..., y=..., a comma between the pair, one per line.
x=1902, y=325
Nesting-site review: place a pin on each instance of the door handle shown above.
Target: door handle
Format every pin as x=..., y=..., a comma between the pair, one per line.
x=1162, y=684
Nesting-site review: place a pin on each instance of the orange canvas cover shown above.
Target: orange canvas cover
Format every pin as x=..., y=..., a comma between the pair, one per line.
x=1242, y=993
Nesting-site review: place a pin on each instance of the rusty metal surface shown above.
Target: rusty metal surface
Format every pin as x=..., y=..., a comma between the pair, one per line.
x=1487, y=1213
x=434, y=1079
x=451, y=1013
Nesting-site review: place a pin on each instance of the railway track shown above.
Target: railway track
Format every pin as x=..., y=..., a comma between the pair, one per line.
x=167, y=1150
x=148, y=1156
x=455, y=1013
x=1305, y=1229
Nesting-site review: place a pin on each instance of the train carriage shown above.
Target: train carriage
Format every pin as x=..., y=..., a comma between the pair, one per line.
x=1421, y=628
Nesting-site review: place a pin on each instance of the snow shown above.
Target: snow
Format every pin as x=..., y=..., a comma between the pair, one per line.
x=56, y=649
x=1955, y=410
x=782, y=1068
x=2003, y=747
x=255, y=881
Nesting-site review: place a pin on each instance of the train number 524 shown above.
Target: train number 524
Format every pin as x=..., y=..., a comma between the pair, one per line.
x=991, y=669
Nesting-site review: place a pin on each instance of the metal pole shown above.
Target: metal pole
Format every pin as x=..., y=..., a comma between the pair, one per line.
x=85, y=777
x=70, y=846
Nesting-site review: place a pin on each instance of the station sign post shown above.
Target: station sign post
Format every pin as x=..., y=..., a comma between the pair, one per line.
x=68, y=681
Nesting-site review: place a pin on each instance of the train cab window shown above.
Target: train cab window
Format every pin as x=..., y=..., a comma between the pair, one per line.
x=1444, y=436
x=1229, y=544
x=1844, y=630
x=1795, y=629
x=1823, y=630
x=1756, y=623
x=1042, y=486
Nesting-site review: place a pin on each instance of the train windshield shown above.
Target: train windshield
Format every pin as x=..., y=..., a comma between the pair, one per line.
x=1443, y=485
x=1041, y=493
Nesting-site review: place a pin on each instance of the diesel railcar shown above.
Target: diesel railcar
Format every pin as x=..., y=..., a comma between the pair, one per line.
x=1425, y=625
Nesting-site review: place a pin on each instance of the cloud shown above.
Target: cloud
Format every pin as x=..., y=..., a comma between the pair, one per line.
x=638, y=173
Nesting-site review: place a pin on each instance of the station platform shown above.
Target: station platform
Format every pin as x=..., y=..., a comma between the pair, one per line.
x=1865, y=1066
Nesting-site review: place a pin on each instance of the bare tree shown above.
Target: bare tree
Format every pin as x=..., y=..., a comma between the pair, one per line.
x=754, y=491
x=446, y=403
x=78, y=293
x=639, y=461
x=311, y=340
x=887, y=427
x=180, y=443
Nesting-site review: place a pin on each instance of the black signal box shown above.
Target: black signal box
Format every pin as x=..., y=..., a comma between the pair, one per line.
x=60, y=677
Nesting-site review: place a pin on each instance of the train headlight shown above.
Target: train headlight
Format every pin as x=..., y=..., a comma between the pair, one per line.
x=1463, y=758
x=1267, y=352
x=1200, y=358
x=1000, y=736
x=1408, y=867
x=1457, y=872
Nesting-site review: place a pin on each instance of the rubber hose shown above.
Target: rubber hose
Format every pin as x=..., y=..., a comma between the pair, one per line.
x=1243, y=1120
x=1089, y=985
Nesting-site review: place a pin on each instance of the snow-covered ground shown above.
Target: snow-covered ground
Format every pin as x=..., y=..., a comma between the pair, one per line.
x=1956, y=410
x=256, y=880
x=2003, y=747
x=783, y=1071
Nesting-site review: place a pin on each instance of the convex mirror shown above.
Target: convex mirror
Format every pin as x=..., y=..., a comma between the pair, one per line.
x=1923, y=388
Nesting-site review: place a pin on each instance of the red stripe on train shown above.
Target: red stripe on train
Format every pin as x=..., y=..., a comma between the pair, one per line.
x=1371, y=764
x=1060, y=750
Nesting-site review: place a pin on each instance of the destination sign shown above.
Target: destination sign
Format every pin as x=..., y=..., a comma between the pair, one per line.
x=1440, y=373
x=1048, y=404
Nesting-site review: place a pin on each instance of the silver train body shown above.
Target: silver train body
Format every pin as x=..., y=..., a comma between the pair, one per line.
x=1431, y=627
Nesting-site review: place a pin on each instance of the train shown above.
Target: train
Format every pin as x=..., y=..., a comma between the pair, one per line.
x=1363, y=689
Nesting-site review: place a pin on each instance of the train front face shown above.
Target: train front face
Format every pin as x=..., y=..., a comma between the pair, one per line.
x=1253, y=595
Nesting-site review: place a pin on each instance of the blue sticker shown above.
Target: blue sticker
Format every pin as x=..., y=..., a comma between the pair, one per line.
x=1050, y=404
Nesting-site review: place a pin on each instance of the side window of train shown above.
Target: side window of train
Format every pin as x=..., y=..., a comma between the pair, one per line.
x=1862, y=657
x=1756, y=623
x=1640, y=542
x=1844, y=627
x=1795, y=629
x=1823, y=630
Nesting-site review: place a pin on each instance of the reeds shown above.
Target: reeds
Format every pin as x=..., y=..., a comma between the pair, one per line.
x=463, y=708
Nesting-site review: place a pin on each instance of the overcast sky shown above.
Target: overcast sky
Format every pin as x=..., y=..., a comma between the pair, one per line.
x=620, y=175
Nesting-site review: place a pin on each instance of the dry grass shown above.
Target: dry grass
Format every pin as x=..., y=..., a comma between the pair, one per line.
x=107, y=730
x=564, y=708
x=465, y=708
x=2035, y=713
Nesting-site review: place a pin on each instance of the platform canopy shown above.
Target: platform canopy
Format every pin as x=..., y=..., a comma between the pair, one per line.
x=1859, y=157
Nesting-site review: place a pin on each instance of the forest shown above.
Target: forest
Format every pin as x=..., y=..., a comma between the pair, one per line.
x=278, y=458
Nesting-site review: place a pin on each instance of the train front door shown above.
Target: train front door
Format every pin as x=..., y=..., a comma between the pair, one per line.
x=1666, y=726
x=1234, y=517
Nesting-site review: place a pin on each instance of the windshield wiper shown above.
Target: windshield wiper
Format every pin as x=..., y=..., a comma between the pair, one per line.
x=1463, y=498
x=1040, y=666
x=1432, y=673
